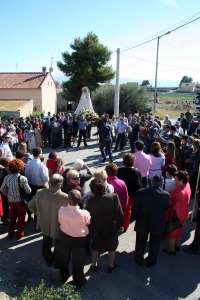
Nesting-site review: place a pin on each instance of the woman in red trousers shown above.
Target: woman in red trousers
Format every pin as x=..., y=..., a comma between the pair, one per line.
x=10, y=187
x=131, y=176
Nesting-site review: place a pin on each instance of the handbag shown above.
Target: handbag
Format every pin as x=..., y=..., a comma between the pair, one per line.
x=173, y=223
x=25, y=198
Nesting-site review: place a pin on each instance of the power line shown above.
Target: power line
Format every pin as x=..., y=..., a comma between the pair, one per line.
x=183, y=25
x=161, y=64
x=178, y=49
x=156, y=34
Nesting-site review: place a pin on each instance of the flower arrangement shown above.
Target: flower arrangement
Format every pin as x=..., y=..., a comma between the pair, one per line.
x=89, y=114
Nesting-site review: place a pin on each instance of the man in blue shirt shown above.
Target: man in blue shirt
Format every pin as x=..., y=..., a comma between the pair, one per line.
x=122, y=128
x=105, y=132
x=82, y=125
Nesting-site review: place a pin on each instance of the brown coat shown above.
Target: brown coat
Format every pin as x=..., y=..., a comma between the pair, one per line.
x=46, y=205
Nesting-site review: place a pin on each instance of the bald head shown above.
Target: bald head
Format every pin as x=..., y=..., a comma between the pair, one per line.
x=74, y=197
x=56, y=181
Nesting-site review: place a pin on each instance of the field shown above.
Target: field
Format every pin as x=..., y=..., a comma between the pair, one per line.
x=172, y=104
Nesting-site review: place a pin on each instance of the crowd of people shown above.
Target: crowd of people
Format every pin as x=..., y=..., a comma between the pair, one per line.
x=158, y=177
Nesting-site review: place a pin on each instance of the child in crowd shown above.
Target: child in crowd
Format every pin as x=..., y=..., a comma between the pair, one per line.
x=31, y=139
x=15, y=142
x=59, y=166
x=26, y=136
x=170, y=184
x=52, y=163
x=20, y=136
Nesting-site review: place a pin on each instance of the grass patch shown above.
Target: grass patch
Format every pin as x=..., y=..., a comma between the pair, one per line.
x=172, y=104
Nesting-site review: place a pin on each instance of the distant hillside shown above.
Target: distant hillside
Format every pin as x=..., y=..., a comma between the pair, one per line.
x=161, y=83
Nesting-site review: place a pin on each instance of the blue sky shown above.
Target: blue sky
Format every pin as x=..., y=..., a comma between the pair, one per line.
x=33, y=31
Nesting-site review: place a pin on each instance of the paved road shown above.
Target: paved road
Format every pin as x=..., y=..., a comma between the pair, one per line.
x=172, y=278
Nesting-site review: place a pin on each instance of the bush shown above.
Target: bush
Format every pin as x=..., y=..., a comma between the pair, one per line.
x=36, y=113
x=103, y=99
x=2, y=116
x=41, y=292
x=132, y=98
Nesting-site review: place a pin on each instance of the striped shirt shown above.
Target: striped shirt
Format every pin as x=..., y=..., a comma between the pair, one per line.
x=11, y=189
x=73, y=221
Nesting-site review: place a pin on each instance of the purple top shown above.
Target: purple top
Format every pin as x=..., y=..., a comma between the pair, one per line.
x=120, y=189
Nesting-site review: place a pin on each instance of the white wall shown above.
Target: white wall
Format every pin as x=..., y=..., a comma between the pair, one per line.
x=49, y=95
x=21, y=94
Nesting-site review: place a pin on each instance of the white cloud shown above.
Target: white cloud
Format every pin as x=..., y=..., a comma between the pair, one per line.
x=171, y=3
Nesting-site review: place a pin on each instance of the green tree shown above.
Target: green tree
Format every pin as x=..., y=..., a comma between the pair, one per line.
x=103, y=99
x=87, y=65
x=186, y=79
x=197, y=85
x=132, y=98
x=145, y=82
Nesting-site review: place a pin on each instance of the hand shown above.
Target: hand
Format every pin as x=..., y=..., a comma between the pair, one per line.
x=121, y=229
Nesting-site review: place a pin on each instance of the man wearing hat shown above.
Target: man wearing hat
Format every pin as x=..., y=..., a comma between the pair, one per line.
x=179, y=130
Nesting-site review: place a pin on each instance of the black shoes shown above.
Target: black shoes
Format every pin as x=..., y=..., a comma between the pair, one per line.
x=78, y=286
x=93, y=268
x=110, y=269
x=139, y=263
x=169, y=252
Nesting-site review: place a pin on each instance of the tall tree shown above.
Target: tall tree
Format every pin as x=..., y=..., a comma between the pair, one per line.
x=87, y=65
x=186, y=79
x=145, y=82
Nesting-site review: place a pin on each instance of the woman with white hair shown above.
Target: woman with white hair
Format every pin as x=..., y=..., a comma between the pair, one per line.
x=78, y=166
x=101, y=175
x=72, y=182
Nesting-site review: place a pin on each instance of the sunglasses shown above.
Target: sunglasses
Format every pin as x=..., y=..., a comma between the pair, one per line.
x=6, y=138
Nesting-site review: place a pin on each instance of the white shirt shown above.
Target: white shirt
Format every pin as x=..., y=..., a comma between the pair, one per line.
x=179, y=130
x=157, y=163
x=7, y=151
x=36, y=172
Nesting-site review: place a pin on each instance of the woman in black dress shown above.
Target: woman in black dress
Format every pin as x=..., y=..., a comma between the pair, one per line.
x=74, y=129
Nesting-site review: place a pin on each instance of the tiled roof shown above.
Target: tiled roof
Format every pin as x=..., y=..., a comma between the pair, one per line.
x=21, y=80
x=12, y=105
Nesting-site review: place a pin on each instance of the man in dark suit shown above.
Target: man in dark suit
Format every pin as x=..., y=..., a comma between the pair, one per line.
x=183, y=121
x=191, y=126
x=149, y=212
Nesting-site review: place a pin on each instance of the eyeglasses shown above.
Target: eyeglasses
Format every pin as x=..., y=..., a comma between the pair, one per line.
x=76, y=178
x=6, y=137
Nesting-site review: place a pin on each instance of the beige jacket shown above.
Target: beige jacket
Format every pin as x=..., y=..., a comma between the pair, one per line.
x=46, y=204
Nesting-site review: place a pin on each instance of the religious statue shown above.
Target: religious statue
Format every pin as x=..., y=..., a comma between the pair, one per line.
x=85, y=102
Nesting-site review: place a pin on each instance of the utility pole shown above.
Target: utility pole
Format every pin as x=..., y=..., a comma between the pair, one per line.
x=156, y=76
x=116, y=104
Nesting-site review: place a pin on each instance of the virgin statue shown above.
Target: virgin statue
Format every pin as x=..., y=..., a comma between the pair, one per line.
x=85, y=101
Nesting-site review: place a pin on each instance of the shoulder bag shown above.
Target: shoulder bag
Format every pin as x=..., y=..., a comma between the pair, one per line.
x=25, y=198
x=173, y=223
